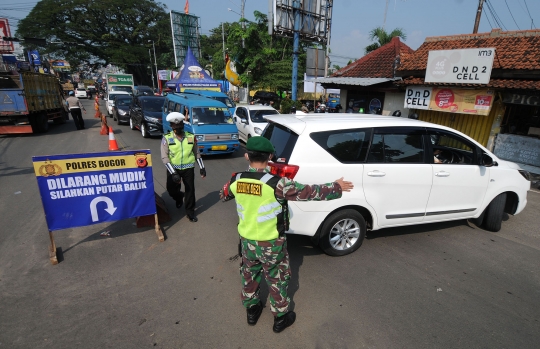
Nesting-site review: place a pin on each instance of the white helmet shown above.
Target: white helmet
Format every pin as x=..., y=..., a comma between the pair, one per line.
x=175, y=118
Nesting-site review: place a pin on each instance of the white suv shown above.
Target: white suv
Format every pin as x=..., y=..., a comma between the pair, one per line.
x=404, y=172
x=250, y=120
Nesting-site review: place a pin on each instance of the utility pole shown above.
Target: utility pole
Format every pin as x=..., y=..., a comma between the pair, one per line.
x=152, y=70
x=223, y=40
x=155, y=63
x=243, y=4
x=296, y=45
x=478, y=15
x=385, y=11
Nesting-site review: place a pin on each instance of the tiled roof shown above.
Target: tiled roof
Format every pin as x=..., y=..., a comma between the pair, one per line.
x=513, y=49
x=376, y=64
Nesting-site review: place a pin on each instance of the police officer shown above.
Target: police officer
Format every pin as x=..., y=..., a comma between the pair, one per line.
x=75, y=107
x=179, y=152
x=261, y=202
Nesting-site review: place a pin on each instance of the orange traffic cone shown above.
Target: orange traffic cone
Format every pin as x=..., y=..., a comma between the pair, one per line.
x=104, y=128
x=112, y=141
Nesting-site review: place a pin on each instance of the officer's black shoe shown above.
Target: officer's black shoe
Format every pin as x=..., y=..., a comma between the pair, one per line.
x=253, y=313
x=192, y=218
x=284, y=321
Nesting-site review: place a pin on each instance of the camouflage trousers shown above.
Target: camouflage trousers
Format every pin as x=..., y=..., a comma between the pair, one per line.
x=271, y=259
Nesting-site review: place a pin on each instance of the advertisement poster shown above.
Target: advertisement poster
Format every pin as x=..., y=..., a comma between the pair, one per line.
x=462, y=66
x=5, y=31
x=418, y=97
x=84, y=189
x=461, y=101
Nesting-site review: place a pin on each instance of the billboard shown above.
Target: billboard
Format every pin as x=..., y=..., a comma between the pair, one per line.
x=5, y=30
x=185, y=32
x=315, y=19
x=464, y=66
x=84, y=189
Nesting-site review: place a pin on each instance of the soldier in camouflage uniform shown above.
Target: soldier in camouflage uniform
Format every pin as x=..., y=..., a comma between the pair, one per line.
x=261, y=201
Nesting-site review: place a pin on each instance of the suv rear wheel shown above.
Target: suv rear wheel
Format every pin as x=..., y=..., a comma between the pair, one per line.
x=342, y=232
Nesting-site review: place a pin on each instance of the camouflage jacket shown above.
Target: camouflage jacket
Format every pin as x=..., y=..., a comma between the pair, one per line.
x=290, y=190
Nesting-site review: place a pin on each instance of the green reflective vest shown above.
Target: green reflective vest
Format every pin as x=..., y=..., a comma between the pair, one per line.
x=181, y=152
x=261, y=216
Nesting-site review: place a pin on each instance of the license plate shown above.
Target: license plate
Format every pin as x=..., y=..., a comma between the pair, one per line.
x=219, y=147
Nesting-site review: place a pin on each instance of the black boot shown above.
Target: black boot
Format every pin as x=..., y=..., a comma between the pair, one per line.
x=180, y=199
x=253, y=313
x=284, y=321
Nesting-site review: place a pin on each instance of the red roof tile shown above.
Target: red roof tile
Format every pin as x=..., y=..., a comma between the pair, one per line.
x=513, y=49
x=376, y=64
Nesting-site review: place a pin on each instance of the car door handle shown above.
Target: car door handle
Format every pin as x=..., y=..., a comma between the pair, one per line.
x=442, y=174
x=376, y=174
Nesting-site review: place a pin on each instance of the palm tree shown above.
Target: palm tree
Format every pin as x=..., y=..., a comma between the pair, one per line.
x=382, y=37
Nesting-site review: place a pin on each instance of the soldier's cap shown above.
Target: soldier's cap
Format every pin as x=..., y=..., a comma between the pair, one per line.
x=175, y=118
x=260, y=144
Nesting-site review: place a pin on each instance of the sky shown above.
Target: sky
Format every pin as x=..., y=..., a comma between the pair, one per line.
x=352, y=20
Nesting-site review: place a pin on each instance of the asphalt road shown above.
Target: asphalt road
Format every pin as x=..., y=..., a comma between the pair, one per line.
x=445, y=285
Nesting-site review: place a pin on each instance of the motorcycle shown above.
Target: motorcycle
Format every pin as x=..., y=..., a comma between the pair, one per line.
x=321, y=108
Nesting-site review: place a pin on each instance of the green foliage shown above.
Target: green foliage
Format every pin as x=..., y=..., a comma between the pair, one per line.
x=287, y=103
x=382, y=37
x=113, y=31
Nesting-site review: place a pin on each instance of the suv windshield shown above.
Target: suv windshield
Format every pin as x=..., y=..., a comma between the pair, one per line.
x=213, y=115
x=122, y=102
x=152, y=104
x=258, y=115
x=283, y=140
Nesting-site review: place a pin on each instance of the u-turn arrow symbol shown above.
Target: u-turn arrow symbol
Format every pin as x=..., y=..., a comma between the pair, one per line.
x=93, y=207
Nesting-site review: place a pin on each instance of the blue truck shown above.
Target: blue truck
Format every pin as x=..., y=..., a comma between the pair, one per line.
x=28, y=101
x=333, y=102
x=209, y=120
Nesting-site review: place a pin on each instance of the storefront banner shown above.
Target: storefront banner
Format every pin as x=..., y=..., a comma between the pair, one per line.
x=83, y=189
x=418, y=97
x=164, y=75
x=461, y=101
x=463, y=66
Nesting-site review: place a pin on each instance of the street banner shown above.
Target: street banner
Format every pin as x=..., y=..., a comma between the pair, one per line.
x=418, y=97
x=34, y=57
x=84, y=189
x=462, y=66
x=5, y=31
x=461, y=101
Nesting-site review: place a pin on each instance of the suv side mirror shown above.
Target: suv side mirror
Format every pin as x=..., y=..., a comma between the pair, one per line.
x=486, y=160
x=244, y=121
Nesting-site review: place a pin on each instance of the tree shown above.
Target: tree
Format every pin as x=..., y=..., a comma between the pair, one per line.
x=113, y=31
x=382, y=37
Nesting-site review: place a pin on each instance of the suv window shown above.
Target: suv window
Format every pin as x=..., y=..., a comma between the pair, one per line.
x=397, y=145
x=449, y=148
x=283, y=140
x=347, y=146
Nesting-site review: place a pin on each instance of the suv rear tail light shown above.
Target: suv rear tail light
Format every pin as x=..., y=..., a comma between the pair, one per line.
x=283, y=170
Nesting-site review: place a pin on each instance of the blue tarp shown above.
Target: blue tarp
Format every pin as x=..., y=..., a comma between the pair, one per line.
x=192, y=76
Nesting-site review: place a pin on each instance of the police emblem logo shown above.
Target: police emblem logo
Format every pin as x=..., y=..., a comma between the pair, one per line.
x=140, y=160
x=249, y=188
x=50, y=170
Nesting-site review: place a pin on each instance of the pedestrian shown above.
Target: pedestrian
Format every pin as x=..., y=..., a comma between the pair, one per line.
x=96, y=107
x=261, y=203
x=179, y=152
x=75, y=106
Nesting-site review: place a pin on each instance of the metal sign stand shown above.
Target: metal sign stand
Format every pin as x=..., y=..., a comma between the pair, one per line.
x=52, y=250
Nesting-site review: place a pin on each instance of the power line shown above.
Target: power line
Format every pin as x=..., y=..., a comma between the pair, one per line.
x=511, y=14
x=494, y=15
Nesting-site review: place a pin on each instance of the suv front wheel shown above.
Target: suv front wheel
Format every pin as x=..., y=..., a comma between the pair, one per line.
x=342, y=232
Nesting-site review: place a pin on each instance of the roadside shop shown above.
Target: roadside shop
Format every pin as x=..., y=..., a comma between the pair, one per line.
x=485, y=85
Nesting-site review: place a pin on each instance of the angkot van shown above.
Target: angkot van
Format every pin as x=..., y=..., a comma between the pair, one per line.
x=209, y=120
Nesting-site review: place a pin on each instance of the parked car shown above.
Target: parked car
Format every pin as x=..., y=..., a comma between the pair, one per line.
x=121, y=109
x=80, y=93
x=250, y=120
x=145, y=115
x=110, y=99
x=393, y=165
